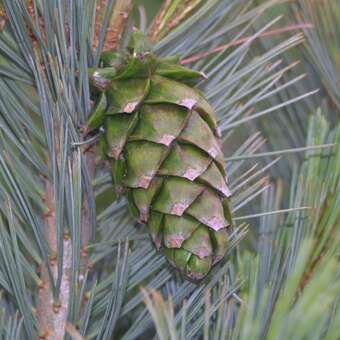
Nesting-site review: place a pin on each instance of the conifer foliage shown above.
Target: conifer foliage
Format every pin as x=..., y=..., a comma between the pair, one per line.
x=219, y=76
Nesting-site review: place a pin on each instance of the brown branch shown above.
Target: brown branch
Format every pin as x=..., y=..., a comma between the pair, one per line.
x=181, y=16
x=51, y=311
x=51, y=314
x=157, y=24
x=162, y=25
x=243, y=40
x=120, y=14
x=119, y=17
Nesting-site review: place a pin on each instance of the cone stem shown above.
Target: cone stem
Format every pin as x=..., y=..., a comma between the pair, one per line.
x=120, y=15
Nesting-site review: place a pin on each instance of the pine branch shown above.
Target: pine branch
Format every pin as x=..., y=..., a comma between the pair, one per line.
x=53, y=318
x=120, y=14
x=158, y=20
x=52, y=311
x=62, y=272
x=171, y=14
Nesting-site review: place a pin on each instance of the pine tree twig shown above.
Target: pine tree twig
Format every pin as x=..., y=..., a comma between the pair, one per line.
x=121, y=13
x=171, y=15
x=182, y=15
x=52, y=314
x=158, y=21
x=52, y=311
x=119, y=17
x=244, y=40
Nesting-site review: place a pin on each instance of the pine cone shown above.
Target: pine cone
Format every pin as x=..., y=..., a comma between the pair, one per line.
x=163, y=141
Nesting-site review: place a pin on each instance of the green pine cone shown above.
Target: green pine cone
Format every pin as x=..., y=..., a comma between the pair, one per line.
x=163, y=141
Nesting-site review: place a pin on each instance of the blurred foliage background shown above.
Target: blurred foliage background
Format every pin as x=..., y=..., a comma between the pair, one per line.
x=72, y=256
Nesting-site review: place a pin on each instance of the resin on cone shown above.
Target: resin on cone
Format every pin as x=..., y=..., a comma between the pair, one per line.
x=161, y=136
